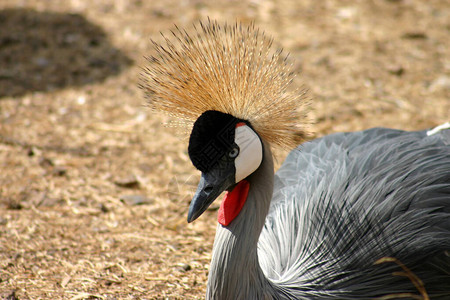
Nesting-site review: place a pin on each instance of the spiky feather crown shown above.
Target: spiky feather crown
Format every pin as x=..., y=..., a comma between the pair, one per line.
x=232, y=69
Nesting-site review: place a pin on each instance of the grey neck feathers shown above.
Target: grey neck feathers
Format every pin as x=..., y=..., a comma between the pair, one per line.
x=235, y=272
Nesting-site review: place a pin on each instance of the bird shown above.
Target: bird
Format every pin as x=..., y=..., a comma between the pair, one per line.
x=351, y=215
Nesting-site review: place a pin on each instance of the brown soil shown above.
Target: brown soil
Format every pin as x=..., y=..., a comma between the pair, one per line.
x=94, y=191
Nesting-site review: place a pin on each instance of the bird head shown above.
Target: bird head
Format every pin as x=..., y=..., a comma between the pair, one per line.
x=226, y=150
x=232, y=84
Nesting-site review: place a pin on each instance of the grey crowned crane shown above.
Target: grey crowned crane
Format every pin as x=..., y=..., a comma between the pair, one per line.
x=338, y=204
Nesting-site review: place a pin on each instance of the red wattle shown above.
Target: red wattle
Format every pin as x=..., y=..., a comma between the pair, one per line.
x=233, y=203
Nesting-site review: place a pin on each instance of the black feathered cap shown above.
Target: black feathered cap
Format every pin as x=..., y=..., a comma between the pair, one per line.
x=211, y=138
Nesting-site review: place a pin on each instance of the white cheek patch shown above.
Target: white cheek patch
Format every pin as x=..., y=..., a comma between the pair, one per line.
x=250, y=151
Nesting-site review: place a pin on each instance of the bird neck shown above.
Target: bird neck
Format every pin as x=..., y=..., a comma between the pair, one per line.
x=235, y=272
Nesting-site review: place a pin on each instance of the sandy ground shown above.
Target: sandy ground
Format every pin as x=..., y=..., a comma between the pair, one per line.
x=94, y=189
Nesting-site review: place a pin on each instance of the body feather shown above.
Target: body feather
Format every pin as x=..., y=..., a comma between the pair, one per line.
x=342, y=202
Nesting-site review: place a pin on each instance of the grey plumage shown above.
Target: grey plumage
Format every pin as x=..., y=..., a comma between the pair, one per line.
x=339, y=204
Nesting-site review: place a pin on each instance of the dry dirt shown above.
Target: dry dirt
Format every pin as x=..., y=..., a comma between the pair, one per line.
x=94, y=189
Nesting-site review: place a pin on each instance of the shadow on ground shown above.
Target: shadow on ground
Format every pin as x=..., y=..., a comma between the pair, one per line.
x=44, y=51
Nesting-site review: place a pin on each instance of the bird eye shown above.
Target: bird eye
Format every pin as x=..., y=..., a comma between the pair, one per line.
x=234, y=152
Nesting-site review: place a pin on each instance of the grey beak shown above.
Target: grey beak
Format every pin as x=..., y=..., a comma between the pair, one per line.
x=211, y=185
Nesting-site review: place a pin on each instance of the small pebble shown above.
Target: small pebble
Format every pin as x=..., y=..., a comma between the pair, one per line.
x=396, y=70
x=59, y=171
x=184, y=267
x=81, y=100
x=415, y=35
x=41, y=61
x=104, y=208
x=127, y=182
x=46, y=162
x=135, y=199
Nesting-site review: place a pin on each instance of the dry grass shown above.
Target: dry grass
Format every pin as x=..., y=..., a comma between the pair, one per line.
x=418, y=283
x=75, y=138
